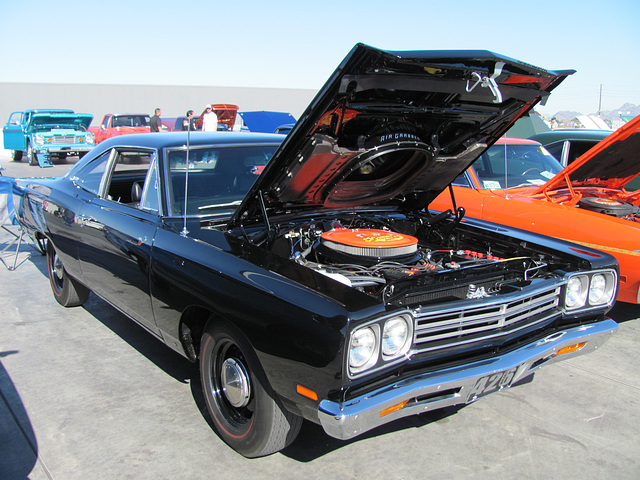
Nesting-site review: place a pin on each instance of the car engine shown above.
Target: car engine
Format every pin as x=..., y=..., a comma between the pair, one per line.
x=409, y=261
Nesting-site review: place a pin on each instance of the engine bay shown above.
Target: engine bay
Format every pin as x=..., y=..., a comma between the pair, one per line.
x=409, y=261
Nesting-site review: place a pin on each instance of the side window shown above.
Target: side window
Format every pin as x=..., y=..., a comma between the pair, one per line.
x=555, y=149
x=126, y=181
x=579, y=148
x=462, y=180
x=151, y=190
x=90, y=176
x=16, y=118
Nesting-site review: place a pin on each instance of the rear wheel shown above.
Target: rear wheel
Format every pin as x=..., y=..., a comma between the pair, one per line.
x=67, y=291
x=246, y=412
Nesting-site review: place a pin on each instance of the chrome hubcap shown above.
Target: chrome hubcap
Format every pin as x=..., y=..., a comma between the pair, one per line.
x=235, y=383
x=57, y=267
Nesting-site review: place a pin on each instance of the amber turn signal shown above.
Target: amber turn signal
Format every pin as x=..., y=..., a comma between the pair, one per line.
x=304, y=391
x=393, y=408
x=570, y=348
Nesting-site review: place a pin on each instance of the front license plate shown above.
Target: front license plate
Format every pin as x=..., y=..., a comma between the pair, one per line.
x=492, y=383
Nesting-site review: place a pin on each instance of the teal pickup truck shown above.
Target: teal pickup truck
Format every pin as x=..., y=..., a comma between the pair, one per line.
x=46, y=134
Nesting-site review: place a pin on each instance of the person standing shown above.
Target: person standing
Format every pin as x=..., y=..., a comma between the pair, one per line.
x=156, y=123
x=209, y=120
x=189, y=123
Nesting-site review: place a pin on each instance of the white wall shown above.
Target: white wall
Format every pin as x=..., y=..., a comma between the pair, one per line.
x=174, y=100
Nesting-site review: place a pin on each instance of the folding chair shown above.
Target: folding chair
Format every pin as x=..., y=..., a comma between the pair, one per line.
x=11, y=233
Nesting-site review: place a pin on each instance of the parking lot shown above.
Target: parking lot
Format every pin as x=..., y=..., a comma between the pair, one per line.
x=86, y=393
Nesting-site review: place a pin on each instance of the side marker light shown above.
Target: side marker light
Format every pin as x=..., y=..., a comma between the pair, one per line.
x=570, y=348
x=305, y=392
x=393, y=408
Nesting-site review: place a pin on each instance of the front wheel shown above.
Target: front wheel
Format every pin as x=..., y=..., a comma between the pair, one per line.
x=67, y=291
x=31, y=155
x=246, y=412
x=16, y=155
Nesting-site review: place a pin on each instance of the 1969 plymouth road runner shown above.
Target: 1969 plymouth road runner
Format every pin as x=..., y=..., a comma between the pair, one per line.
x=320, y=286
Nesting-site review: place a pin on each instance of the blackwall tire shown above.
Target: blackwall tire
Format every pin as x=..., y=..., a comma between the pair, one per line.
x=16, y=155
x=246, y=413
x=67, y=291
x=31, y=155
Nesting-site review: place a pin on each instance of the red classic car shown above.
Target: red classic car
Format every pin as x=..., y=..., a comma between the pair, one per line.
x=115, y=124
x=595, y=201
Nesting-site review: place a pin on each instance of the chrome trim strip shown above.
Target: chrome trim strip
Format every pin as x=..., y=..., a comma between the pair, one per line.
x=358, y=415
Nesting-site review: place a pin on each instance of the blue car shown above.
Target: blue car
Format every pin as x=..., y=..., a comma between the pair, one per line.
x=45, y=134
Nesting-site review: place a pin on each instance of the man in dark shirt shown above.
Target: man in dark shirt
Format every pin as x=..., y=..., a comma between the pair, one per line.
x=156, y=123
x=189, y=123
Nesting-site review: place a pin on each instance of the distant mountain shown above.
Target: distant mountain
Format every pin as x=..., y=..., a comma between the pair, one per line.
x=612, y=117
x=626, y=109
x=565, y=116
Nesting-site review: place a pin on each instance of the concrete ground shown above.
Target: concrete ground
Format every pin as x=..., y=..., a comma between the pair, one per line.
x=86, y=394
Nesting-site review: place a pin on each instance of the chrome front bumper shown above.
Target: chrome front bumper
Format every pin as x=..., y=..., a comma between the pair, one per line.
x=63, y=148
x=455, y=386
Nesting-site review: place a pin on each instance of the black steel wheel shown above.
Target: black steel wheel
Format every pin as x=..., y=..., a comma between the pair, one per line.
x=246, y=412
x=67, y=291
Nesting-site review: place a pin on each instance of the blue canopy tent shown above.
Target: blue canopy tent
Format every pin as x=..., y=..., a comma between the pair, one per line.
x=266, y=121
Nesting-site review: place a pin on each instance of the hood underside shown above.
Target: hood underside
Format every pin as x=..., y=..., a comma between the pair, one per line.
x=395, y=128
x=611, y=163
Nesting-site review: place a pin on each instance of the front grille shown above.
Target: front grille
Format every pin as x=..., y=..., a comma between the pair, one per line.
x=63, y=139
x=438, y=328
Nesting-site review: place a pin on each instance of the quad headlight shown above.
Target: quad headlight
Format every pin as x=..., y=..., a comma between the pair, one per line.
x=380, y=343
x=39, y=139
x=363, y=348
x=590, y=290
x=89, y=138
x=394, y=336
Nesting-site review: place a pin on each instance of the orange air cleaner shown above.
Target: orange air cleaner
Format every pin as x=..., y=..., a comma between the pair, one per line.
x=366, y=242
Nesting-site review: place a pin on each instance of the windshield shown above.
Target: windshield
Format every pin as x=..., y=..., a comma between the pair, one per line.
x=218, y=177
x=515, y=165
x=131, y=121
x=48, y=123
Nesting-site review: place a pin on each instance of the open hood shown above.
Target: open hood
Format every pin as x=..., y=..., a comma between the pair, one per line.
x=61, y=120
x=394, y=129
x=611, y=163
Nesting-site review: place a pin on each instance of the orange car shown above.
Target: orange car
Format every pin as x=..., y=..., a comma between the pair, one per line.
x=595, y=201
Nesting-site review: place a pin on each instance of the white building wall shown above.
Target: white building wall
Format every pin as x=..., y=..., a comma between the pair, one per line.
x=174, y=100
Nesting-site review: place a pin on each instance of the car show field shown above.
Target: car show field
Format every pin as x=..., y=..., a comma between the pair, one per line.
x=68, y=411
x=319, y=319
x=88, y=394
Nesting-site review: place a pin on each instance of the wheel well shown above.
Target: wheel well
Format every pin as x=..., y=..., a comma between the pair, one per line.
x=192, y=325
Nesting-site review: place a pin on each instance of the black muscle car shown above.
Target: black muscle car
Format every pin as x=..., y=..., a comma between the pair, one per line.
x=306, y=274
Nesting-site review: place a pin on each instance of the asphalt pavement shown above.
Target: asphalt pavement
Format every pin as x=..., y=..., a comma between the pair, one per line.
x=87, y=394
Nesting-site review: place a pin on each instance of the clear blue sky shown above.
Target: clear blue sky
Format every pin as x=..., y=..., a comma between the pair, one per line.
x=297, y=44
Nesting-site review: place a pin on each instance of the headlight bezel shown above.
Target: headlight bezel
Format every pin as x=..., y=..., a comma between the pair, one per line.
x=380, y=358
x=586, y=287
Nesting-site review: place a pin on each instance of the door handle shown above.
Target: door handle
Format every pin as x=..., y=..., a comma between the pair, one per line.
x=90, y=222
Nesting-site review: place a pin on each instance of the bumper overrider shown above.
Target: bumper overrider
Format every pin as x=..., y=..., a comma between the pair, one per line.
x=458, y=385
